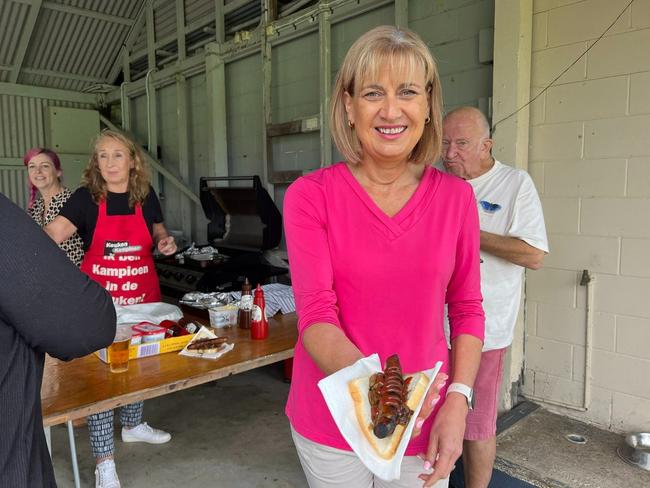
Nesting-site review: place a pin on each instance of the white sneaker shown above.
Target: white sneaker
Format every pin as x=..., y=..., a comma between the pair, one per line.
x=145, y=433
x=106, y=476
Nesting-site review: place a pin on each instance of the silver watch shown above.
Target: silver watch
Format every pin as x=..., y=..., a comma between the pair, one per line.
x=464, y=390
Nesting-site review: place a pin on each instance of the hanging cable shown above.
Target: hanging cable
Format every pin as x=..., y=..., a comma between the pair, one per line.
x=565, y=70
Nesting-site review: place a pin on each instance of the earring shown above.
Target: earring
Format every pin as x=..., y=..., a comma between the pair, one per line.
x=427, y=120
x=350, y=124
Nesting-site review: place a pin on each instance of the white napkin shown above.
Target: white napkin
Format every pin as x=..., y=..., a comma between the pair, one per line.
x=154, y=312
x=205, y=333
x=338, y=399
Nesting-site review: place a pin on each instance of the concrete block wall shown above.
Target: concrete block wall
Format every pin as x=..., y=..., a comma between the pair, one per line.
x=590, y=159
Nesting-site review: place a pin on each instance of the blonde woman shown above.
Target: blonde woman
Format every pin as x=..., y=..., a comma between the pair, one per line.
x=377, y=244
x=119, y=218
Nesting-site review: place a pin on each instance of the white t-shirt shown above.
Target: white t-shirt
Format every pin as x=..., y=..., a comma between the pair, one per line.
x=508, y=205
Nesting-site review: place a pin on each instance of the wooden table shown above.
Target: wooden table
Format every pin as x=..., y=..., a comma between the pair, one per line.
x=85, y=386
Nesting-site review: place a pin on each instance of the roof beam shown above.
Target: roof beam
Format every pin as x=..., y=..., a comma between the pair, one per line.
x=180, y=29
x=59, y=74
x=87, y=13
x=49, y=93
x=219, y=11
x=151, y=37
x=125, y=50
x=24, y=40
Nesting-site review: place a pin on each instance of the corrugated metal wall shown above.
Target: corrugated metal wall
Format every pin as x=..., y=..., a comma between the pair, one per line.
x=12, y=19
x=13, y=183
x=22, y=126
x=22, y=122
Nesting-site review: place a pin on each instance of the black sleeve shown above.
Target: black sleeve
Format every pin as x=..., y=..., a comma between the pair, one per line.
x=151, y=208
x=52, y=305
x=76, y=210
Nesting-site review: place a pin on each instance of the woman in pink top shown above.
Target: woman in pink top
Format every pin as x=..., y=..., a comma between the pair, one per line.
x=377, y=244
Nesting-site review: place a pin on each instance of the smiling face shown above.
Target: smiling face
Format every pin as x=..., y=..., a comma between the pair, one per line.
x=115, y=163
x=43, y=174
x=388, y=114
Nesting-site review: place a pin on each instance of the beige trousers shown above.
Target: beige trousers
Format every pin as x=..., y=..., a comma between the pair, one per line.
x=326, y=467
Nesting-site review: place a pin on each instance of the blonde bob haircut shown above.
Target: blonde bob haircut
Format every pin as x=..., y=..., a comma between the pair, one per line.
x=139, y=178
x=398, y=51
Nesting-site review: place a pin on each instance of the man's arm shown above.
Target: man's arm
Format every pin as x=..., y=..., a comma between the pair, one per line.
x=512, y=249
x=53, y=306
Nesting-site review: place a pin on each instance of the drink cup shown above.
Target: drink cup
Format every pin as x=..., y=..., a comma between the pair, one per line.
x=118, y=352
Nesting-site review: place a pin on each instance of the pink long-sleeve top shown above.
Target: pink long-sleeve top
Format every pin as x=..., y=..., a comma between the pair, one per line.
x=383, y=280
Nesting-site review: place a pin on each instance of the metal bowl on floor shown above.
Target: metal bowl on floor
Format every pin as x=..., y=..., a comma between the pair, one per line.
x=636, y=450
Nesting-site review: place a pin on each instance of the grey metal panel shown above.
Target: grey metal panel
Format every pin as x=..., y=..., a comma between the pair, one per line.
x=22, y=123
x=294, y=91
x=13, y=183
x=168, y=142
x=198, y=147
x=12, y=18
x=244, y=109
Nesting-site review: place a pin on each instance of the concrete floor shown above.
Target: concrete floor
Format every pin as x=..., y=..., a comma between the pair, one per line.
x=233, y=433
x=229, y=433
x=536, y=450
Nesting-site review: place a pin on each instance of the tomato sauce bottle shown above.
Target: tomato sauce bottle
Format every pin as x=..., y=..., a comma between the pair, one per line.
x=259, y=324
x=245, y=305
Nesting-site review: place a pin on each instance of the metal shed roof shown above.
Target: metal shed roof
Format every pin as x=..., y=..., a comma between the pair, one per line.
x=68, y=44
x=77, y=44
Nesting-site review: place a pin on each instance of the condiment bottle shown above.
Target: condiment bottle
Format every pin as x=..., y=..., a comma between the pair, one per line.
x=245, y=306
x=259, y=324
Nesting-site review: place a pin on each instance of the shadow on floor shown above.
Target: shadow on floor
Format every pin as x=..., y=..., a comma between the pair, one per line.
x=499, y=479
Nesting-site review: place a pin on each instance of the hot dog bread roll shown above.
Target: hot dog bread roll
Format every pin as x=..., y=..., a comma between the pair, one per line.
x=359, y=388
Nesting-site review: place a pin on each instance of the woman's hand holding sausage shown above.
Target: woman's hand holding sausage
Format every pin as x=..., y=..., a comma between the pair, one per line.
x=167, y=245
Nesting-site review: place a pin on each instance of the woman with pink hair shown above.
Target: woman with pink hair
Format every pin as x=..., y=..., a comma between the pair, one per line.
x=47, y=195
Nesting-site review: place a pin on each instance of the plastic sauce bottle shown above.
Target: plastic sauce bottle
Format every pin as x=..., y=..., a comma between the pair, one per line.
x=259, y=324
x=245, y=306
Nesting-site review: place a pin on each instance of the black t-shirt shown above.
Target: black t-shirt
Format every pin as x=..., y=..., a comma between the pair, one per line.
x=82, y=211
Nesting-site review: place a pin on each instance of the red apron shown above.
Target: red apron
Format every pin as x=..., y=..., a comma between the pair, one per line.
x=120, y=258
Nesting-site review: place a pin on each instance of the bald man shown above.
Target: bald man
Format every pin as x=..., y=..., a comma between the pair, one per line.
x=513, y=237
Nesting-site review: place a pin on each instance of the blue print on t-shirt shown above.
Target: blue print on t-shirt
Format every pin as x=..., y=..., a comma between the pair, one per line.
x=489, y=207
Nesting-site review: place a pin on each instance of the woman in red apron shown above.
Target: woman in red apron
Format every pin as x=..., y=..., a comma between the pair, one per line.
x=118, y=216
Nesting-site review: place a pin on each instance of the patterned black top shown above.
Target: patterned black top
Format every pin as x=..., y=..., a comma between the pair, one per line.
x=73, y=246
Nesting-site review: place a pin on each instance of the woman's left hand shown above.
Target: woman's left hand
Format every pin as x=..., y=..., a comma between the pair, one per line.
x=445, y=441
x=431, y=400
x=167, y=245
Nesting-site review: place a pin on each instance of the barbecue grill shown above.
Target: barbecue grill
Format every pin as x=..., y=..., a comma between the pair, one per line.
x=244, y=226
